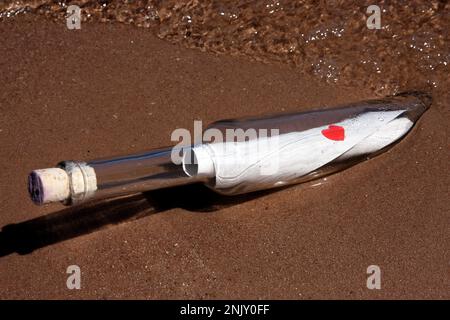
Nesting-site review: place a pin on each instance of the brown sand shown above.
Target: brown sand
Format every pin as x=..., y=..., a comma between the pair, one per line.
x=110, y=89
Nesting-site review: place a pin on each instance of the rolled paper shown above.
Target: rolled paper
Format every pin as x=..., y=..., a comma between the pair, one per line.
x=278, y=160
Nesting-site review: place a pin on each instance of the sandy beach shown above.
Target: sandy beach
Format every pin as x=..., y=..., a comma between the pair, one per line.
x=113, y=88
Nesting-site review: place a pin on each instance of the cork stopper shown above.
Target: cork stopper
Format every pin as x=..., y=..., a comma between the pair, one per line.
x=72, y=183
x=48, y=185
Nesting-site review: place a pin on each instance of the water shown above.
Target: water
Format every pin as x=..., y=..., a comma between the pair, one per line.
x=329, y=39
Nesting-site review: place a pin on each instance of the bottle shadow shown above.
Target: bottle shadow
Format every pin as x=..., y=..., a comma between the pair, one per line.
x=25, y=237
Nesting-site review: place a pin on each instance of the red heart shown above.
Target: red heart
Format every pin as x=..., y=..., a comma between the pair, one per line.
x=334, y=132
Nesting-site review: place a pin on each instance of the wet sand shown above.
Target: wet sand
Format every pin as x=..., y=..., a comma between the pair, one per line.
x=111, y=89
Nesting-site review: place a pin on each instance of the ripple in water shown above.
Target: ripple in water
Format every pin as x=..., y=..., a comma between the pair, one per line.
x=329, y=39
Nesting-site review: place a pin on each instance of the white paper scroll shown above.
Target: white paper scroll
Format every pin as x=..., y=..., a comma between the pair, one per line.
x=280, y=159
